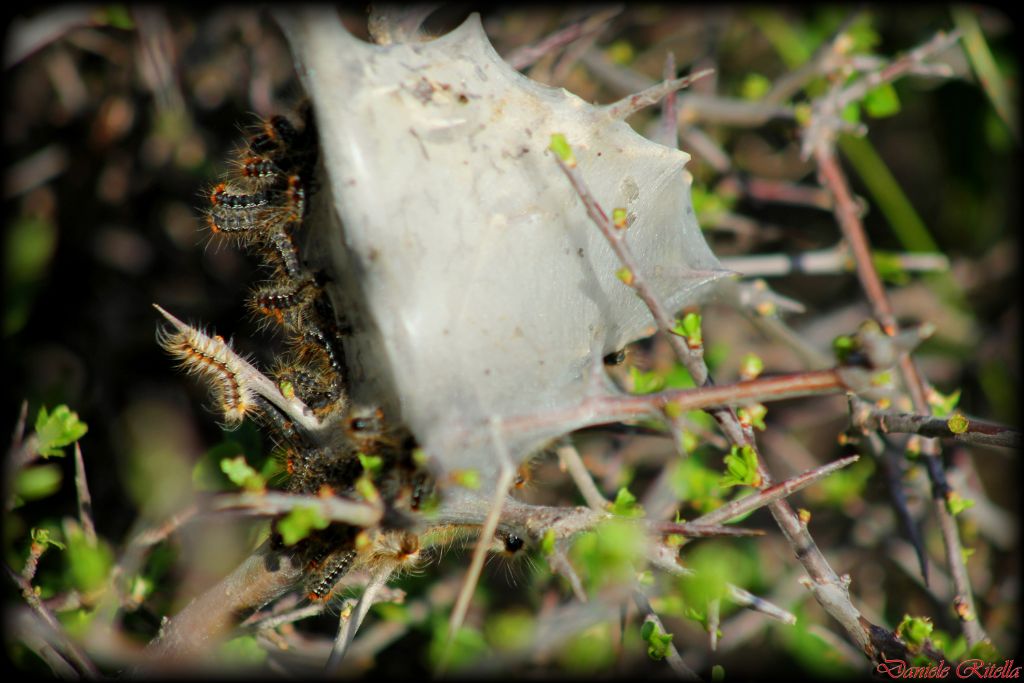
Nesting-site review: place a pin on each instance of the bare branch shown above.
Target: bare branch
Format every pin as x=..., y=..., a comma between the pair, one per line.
x=70, y=649
x=526, y=55
x=570, y=459
x=489, y=525
x=974, y=431
x=836, y=259
x=271, y=503
x=347, y=627
x=770, y=494
x=630, y=105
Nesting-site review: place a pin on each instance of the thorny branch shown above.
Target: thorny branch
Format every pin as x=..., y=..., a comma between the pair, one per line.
x=55, y=632
x=819, y=140
x=853, y=231
x=973, y=431
x=830, y=591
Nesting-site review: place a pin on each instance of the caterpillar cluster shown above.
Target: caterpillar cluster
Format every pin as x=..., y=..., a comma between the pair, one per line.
x=262, y=207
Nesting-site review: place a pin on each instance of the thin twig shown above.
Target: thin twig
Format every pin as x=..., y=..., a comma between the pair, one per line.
x=73, y=652
x=630, y=105
x=570, y=458
x=826, y=120
x=836, y=259
x=775, y=191
x=974, y=431
x=766, y=496
x=561, y=565
x=490, y=524
x=526, y=55
x=275, y=620
x=347, y=627
x=271, y=503
x=675, y=661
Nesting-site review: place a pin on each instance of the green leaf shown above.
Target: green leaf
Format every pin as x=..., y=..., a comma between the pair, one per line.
x=620, y=52
x=657, y=640
x=560, y=146
x=89, y=562
x=915, y=630
x=851, y=113
x=751, y=366
x=625, y=504
x=889, y=267
x=882, y=101
x=511, y=631
x=58, y=429
x=754, y=87
x=843, y=346
x=370, y=463
x=30, y=245
x=606, y=555
x=242, y=651
x=741, y=468
x=715, y=565
x=863, y=36
x=547, y=544
x=956, y=503
x=241, y=474
x=985, y=651
x=469, y=479
x=753, y=415
x=958, y=424
x=645, y=382
x=44, y=537
x=365, y=487
x=689, y=329
x=115, y=16
x=39, y=481
x=696, y=484
x=943, y=404
x=207, y=473
x=468, y=646
x=300, y=523
x=589, y=652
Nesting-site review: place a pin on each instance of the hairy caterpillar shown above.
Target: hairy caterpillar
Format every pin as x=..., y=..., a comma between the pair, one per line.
x=261, y=207
x=212, y=359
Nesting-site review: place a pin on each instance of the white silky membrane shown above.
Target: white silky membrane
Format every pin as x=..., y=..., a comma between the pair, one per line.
x=478, y=286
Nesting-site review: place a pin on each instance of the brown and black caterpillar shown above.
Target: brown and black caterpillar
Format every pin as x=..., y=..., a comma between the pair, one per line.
x=262, y=207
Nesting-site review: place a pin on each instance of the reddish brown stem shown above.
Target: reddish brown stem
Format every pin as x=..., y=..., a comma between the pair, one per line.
x=848, y=217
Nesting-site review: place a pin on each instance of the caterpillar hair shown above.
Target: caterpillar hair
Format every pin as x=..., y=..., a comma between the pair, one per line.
x=218, y=365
